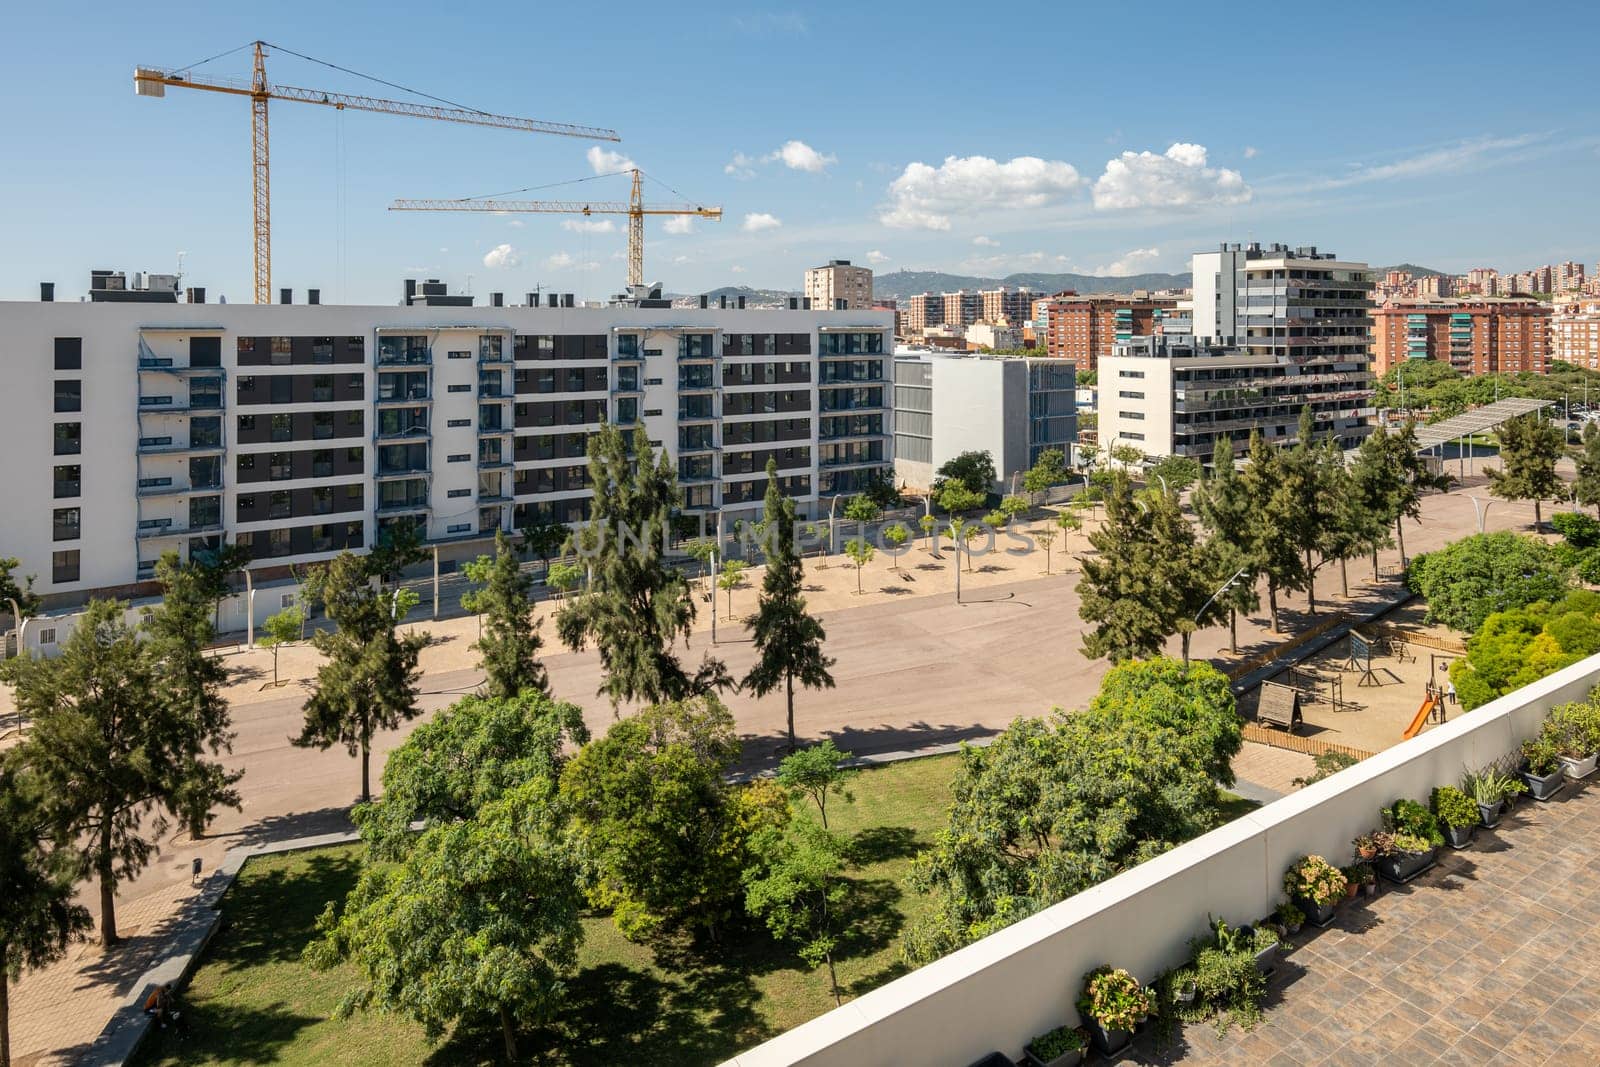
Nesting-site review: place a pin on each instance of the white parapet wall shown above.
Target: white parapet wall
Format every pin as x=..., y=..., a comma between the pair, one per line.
x=999, y=993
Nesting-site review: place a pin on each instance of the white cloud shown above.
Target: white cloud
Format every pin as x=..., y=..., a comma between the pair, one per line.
x=741, y=166
x=1136, y=261
x=1176, y=179
x=736, y=269
x=985, y=242
x=876, y=257
x=502, y=257
x=1250, y=151
x=757, y=221
x=1011, y=262
x=925, y=197
x=605, y=161
x=1435, y=161
x=589, y=225
x=515, y=224
x=682, y=259
x=797, y=155
x=565, y=261
x=678, y=224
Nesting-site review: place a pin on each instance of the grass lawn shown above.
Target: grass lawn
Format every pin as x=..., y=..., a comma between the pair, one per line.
x=253, y=1002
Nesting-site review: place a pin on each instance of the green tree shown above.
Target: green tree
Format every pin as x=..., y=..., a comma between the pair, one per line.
x=636, y=606
x=731, y=578
x=281, y=628
x=799, y=891
x=480, y=920
x=814, y=774
x=368, y=679
x=1412, y=479
x=1273, y=508
x=972, y=470
x=956, y=498
x=399, y=546
x=177, y=633
x=1376, y=487
x=1224, y=506
x=107, y=749
x=544, y=538
x=1470, y=579
x=38, y=875
x=21, y=593
x=669, y=838
x=1178, y=472
x=860, y=551
x=928, y=524
x=1529, y=448
x=895, y=535
x=472, y=753
x=1014, y=506
x=1194, y=700
x=1046, y=535
x=510, y=643
x=1127, y=455
x=862, y=511
x=564, y=577
x=1587, y=487
x=788, y=639
x=996, y=520
x=702, y=550
x=1048, y=470
x=1523, y=644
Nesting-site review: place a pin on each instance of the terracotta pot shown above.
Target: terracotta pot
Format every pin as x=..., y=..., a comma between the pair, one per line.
x=1350, y=890
x=1367, y=853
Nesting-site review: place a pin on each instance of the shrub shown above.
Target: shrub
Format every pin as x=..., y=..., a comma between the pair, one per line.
x=1326, y=763
x=1543, y=756
x=1058, y=1042
x=1409, y=817
x=1315, y=879
x=1454, y=808
x=1114, y=998
x=1469, y=579
x=1408, y=842
x=1574, y=729
x=1289, y=915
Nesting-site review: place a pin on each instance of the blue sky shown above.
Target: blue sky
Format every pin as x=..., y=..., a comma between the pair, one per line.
x=1100, y=138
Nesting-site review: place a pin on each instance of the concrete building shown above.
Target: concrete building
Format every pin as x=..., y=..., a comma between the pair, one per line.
x=1178, y=396
x=302, y=430
x=1477, y=335
x=1575, y=333
x=1276, y=300
x=922, y=311
x=1083, y=329
x=1012, y=407
x=838, y=280
x=987, y=335
x=1006, y=306
x=962, y=307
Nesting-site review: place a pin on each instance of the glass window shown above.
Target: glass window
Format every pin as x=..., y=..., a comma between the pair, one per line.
x=64, y=566
x=69, y=438
x=322, y=463
x=282, y=428
x=322, y=425
x=69, y=395
x=279, y=504
x=68, y=481
x=282, y=388
x=66, y=524
x=280, y=466
x=322, y=386
x=69, y=353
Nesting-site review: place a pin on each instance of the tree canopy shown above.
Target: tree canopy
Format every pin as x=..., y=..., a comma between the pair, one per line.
x=1523, y=644
x=510, y=643
x=1529, y=448
x=1470, y=579
x=973, y=470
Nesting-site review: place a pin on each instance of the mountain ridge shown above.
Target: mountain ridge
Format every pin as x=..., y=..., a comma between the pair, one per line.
x=900, y=284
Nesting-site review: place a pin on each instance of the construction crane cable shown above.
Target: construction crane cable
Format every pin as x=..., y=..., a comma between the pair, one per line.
x=533, y=188
x=219, y=55
x=665, y=186
x=380, y=81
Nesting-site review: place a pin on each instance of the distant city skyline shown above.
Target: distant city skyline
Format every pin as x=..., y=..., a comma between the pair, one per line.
x=831, y=133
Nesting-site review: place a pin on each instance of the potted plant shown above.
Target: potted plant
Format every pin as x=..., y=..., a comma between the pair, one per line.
x=1291, y=917
x=1061, y=1047
x=1571, y=728
x=1112, y=1004
x=1367, y=876
x=1486, y=791
x=1541, y=767
x=1458, y=813
x=1316, y=885
x=1352, y=881
x=1409, y=856
x=1264, y=946
x=1364, y=847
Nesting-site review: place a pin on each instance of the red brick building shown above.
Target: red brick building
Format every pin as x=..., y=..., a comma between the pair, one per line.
x=1083, y=328
x=1482, y=335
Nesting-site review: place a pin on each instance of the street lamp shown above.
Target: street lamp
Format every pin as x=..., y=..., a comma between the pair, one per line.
x=1479, y=508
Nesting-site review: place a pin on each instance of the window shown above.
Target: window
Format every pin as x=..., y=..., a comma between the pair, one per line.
x=1130, y=394
x=458, y=355
x=278, y=542
x=321, y=388
x=460, y=527
x=282, y=388
x=69, y=353
x=47, y=636
x=245, y=503
x=247, y=463
x=66, y=524
x=279, y=505
x=460, y=457
x=322, y=500
x=64, y=566
x=282, y=428
x=69, y=438
x=286, y=600
x=458, y=422
x=280, y=466
x=69, y=395
x=459, y=492
x=322, y=463
x=460, y=389
x=1139, y=415
x=247, y=425
x=69, y=481
x=322, y=425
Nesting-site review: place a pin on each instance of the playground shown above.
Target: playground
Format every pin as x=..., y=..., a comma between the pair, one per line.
x=1375, y=687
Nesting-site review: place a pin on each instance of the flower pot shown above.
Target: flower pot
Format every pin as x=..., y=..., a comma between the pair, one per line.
x=1366, y=854
x=1490, y=813
x=1401, y=867
x=1267, y=958
x=1543, y=787
x=1292, y=929
x=1460, y=836
x=1317, y=914
x=1066, y=1059
x=1108, y=1042
x=1579, y=768
x=1186, y=995
x=1350, y=890
x=1369, y=889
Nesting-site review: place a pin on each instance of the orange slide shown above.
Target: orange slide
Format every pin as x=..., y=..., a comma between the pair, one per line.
x=1422, y=716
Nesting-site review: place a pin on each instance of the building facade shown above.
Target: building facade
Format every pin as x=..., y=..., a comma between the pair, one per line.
x=1482, y=335
x=922, y=311
x=962, y=307
x=1005, y=305
x=1575, y=333
x=1013, y=407
x=836, y=281
x=302, y=430
x=1084, y=329
x=1180, y=396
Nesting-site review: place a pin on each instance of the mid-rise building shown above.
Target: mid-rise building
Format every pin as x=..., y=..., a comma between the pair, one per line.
x=301, y=430
x=1575, y=333
x=1006, y=306
x=1013, y=407
x=988, y=335
x=1477, y=335
x=1179, y=396
x=962, y=307
x=838, y=281
x=1084, y=329
x=922, y=311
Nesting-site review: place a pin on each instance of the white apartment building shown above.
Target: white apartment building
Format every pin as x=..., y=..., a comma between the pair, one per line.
x=142, y=425
x=838, y=280
x=1012, y=407
x=1575, y=333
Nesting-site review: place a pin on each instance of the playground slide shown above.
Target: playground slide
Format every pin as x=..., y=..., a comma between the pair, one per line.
x=1422, y=716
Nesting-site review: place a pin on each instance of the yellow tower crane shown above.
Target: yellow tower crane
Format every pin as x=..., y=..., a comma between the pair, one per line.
x=636, y=209
x=153, y=81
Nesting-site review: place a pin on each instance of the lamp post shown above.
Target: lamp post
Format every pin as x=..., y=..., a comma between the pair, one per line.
x=249, y=609
x=1240, y=573
x=1481, y=509
x=833, y=530
x=716, y=543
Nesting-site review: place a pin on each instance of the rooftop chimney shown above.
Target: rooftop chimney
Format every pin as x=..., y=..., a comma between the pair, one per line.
x=497, y=300
x=285, y=296
x=47, y=292
x=794, y=303
x=552, y=300
x=195, y=294
x=532, y=300
x=411, y=289
x=741, y=303
x=313, y=296
x=705, y=301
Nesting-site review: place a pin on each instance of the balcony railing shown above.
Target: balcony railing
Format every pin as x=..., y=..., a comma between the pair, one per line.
x=153, y=528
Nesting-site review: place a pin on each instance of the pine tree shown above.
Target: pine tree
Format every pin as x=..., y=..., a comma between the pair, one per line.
x=787, y=638
x=1411, y=478
x=108, y=749
x=38, y=917
x=636, y=606
x=368, y=680
x=1374, y=493
x=1311, y=480
x=1272, y=515
x=1529, y=448
x=1224, y=506
x=177, y=633
x=510, y=642
x=1122, y=589
x=1587, y=487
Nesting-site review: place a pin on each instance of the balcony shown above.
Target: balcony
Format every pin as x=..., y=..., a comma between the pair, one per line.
x=495, y=431
x=402, y=397
x=147, y=492
x=151, y=529
x=401, y=507
x=163, y=446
